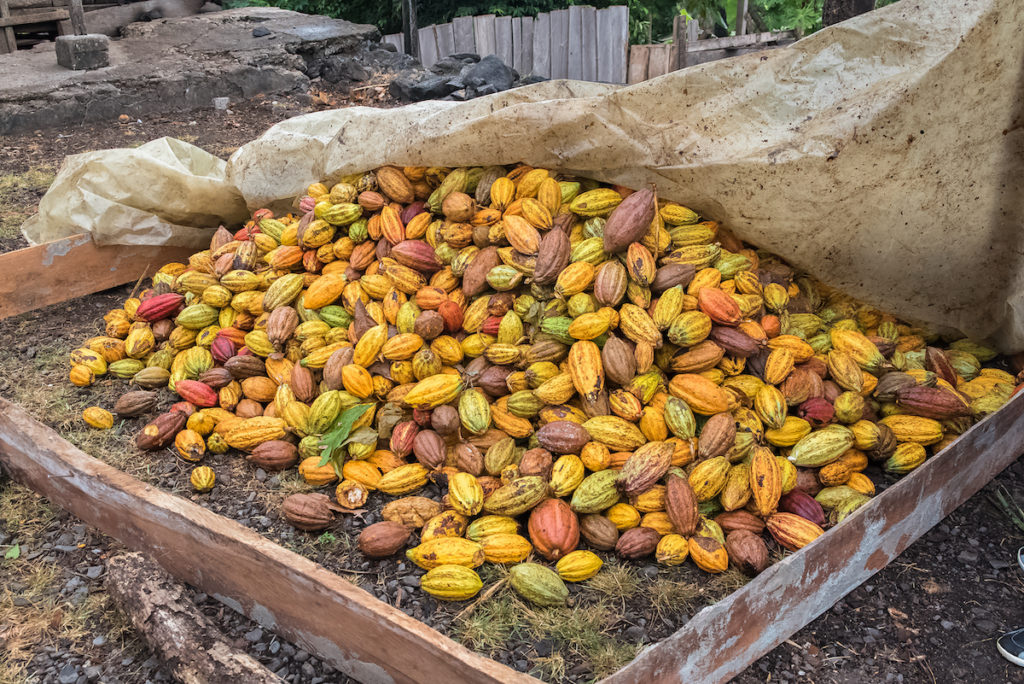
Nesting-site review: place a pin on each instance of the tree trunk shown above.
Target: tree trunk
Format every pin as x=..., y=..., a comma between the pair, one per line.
x=836, y=11
x=194, y=650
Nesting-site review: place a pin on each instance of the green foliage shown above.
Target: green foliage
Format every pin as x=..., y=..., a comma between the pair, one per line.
x=338, y=435
x=783, y=15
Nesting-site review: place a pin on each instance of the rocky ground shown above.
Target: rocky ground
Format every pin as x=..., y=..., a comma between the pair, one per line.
x=932, y=615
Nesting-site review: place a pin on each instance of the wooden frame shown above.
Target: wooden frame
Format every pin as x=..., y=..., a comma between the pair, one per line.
x=361, y=636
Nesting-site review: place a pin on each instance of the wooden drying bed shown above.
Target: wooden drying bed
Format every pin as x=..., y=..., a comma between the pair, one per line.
x=375, y=642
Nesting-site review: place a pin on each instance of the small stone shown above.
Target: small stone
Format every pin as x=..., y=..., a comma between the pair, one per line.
x=21, y=602
x=307, y=670
x=411, y=581
x=998, y=563
x=261, y=474
x=275, y=646
x=260, y=32
x=947, y=624
x=254, y=635
x=985, y=625
x=93, y=672
x=634, y=633
x=301, y=656
x=68, y=675
x=968, y=556
x=94, y=571
x=99, y=641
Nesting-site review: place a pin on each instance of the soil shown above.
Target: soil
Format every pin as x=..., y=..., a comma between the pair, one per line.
x=932, y=615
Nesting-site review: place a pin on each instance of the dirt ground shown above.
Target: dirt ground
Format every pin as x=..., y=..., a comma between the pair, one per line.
x=931, y=616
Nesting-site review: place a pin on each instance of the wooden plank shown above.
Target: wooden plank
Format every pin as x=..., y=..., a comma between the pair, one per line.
x=483, y=34
x=542, y=45
x=54, y=272
x=575, y=58
x=77, y=16
x=560, y=44
x=741, y=17
x=678, y=59
x=396, y=39
x=612, y=44
x=751, y=39
x=638, y=56
x=295, y=597
x=428, y=46
x=503, y=38
x=464, y=40
x=9, y=43
x=527, y=64
x=445, y=40
x=517, y=43
x=589, y=43
x=35, y=18
x=721, y=640
x=658, y=61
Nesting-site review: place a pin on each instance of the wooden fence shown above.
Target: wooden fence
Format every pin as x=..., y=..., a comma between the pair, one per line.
x=651, y=61
x=580, y=42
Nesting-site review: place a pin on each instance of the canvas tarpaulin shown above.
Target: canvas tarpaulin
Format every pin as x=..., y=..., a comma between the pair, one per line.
x=882, y=155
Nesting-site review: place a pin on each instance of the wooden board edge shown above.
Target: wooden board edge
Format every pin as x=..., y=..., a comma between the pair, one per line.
x=283, y=591
x=54, y=272
x=723, y=639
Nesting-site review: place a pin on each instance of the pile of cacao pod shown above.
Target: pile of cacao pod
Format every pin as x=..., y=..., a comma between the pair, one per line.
x=580, y=359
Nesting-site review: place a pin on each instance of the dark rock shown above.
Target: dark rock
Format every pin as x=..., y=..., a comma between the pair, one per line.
x=260, y=32
x=418, y=86
x=468, y=57
x=531, y=79
x=342, y=68
x=254, y=635
x=490, y=71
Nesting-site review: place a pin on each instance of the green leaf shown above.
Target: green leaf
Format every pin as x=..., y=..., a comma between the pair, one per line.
x=335, y=437
x=13, y=553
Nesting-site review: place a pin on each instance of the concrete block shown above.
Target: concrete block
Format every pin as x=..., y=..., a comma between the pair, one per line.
x=83, y=52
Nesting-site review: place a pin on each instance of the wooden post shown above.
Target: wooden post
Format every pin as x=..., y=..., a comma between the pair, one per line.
x=9, y=44
x=679, y=41
x=741, y=17
x=410, y=36
x=77, y=16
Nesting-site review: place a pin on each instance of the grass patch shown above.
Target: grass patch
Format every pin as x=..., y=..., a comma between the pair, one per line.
x=23, y=513
x=19, y=197
x=672, y=596
x=489, y=627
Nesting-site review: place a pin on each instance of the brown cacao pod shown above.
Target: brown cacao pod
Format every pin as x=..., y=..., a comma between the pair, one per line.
x=274, y=455
x=599, y=532
x=161, y=431
x=383, y=539
x=747, y=551
x=637, y=542
x=681, y=505
x=135, y=403
x=308, y=511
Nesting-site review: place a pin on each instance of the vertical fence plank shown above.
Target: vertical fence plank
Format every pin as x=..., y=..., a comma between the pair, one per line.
x=483, y=32
x=428, y=46
x=526, y=66
x=464, y=39
x=503, y=38
x=575, y=60
x=638, y=55
x=619, y=42
x=589, y=43
x=396, y=39
x=657, y=61
x=445, y=40
x=517, y=43
x=560, y=44
x=542, y=45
